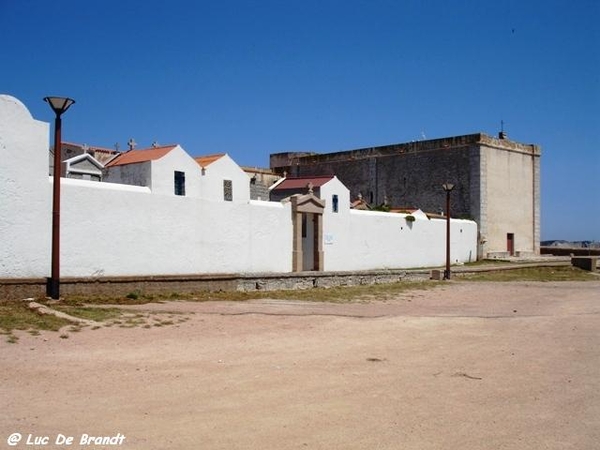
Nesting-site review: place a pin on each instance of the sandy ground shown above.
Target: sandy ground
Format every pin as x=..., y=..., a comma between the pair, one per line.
x=465, y=366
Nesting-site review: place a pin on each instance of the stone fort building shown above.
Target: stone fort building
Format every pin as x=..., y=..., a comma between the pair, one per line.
x=497, y=183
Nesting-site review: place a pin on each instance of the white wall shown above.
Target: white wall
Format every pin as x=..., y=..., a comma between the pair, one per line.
x=163, y=173
x=225, y=168
x=368, y=239
x=146, y=234
x=25, y=195
x=363, y=240
x=108, y=229
x=132, y=174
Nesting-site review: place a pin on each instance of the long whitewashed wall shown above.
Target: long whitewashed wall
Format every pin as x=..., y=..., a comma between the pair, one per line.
x=363, y=240
x=110, y=229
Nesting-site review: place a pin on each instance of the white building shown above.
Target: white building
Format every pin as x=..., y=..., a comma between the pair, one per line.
x=223, y=179
x=164, y=213
x=166, y=170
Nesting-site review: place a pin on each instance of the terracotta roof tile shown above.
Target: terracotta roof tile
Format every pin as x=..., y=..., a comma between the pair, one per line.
x=138, y=156
x=205, y=160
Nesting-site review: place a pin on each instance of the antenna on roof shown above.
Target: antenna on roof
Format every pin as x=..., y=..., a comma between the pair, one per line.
x=131, y=143
x=117, y=146
x=502, y=134
x=155, y=144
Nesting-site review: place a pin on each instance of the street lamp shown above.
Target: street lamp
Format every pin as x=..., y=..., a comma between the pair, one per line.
x=59, y=105
x=448, y=188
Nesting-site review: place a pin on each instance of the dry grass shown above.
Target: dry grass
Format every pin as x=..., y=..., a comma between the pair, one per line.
x=15, y=315
x=560, y=273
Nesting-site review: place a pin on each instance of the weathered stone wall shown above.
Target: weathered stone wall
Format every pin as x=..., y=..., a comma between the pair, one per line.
x=511, y=199
x=190, y=284
x=258, y=190
x=407, y=179
x=497, y=181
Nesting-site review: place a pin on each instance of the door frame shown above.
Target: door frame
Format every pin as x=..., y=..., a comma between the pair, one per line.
x=301, y=206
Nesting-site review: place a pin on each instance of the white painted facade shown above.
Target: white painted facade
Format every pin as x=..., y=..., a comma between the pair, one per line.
x=219, y=171
x=363, y=240
x=110, y=229
x=25, y=195
x=127, y=230
x=158, y=174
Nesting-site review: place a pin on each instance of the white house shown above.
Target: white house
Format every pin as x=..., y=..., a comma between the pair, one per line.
x=223, y=179
x=166, y=170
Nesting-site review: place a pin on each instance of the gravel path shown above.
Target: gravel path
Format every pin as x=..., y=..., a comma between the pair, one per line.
x=467, y=366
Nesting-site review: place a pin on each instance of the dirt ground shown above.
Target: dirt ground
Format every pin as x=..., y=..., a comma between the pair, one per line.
x=465, y=366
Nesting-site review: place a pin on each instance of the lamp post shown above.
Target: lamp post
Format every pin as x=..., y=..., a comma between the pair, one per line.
x=59, y=105
x=448, y=188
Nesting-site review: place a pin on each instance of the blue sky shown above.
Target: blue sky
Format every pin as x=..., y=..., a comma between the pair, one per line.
x=252, y=78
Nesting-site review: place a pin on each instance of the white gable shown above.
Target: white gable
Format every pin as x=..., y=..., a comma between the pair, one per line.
x=221, y=173
x=335, y=187
x=163, y=173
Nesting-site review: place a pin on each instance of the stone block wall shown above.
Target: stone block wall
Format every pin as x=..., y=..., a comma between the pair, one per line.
x=404, y=179
x=497, y=181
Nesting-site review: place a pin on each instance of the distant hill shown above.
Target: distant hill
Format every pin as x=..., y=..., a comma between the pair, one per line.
x=571, y=244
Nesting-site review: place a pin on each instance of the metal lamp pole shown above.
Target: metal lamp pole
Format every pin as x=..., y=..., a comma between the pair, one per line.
x=59, y=105
x=448, y=188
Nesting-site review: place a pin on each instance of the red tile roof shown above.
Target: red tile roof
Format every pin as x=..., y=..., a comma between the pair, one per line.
x=205, y=160
x=301, y=182
x=138, y=156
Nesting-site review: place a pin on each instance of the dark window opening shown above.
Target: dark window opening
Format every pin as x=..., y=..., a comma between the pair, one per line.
x=228, y=190
x=179, y=183
x=303, y=225
x=334, y=203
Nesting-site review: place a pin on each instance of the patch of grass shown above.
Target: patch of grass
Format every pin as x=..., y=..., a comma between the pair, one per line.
x=15, y=315
x=82, y=300
x=488, y=262
x=561, y=273
x=89, y=312
x=334, y=294
x=339, y=294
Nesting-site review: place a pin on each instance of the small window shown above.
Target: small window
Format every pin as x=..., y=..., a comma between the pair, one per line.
x=179, y=183
x=334, y=203
x=227, y=190
x=303, y=225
